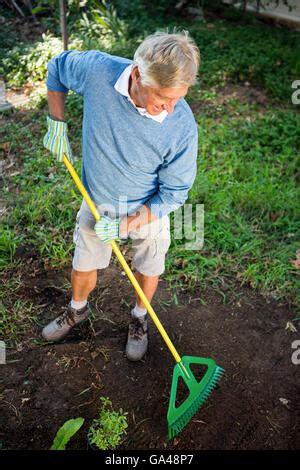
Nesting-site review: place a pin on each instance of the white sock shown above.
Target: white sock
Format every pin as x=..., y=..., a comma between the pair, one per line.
x=78, y=304
x=138, y=311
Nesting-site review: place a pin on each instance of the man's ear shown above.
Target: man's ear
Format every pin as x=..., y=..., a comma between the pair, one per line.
x=136, y=74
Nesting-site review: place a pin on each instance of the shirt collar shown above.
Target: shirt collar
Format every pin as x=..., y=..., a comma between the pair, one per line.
x=122, y=86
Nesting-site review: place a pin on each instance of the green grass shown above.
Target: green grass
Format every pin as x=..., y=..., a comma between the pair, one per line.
x=8, y=244
x=266, y=57
x=46, y=199
x=15, y=318
x=247, y=180
x=247, y=177
x=16, y=312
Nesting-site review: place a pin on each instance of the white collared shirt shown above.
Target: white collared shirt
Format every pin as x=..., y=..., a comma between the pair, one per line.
x=122, y=86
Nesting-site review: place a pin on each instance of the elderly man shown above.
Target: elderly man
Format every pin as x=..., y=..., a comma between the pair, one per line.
x=139, y=148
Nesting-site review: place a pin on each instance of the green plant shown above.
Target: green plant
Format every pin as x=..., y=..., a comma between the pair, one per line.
x=8, y=245
x=248, y=167
x=29, y=61
x=100, y=20
x=107, y=430
x=65, y=432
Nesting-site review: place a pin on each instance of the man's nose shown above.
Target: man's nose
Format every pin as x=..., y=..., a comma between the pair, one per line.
x=169, y=107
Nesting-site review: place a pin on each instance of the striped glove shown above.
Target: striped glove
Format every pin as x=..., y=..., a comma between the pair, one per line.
x=107, y=229
x=56, y=139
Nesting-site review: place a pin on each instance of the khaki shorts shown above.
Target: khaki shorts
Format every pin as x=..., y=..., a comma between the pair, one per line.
x=149, y=244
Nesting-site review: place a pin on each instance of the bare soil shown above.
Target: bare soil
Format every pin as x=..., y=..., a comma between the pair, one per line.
x=255, y=405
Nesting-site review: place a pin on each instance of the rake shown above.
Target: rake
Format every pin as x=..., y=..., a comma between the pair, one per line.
x=178, y=415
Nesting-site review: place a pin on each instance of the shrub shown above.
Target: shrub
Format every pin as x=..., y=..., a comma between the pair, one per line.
x=107, y=430
x=29, y=61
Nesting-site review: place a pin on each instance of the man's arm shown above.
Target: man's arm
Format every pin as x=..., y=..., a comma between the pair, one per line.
x=73, y=70
x=56, y=138
x=175, y=178
x=136, y=221
x=66, y=71
x=56, y=104
x=70, y=70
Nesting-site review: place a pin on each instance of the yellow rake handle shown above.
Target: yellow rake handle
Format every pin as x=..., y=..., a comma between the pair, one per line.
x=122, y=260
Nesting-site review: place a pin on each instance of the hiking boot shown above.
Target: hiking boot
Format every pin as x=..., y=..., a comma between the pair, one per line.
x=59, y=328
x=137, y=340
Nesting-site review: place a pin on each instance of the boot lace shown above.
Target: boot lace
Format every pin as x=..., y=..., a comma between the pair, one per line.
x=137, y=329
x=66, y=317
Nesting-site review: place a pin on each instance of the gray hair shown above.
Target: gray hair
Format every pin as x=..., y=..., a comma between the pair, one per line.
x=168, y=60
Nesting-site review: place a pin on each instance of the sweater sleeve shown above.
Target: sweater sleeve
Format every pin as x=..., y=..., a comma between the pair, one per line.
x=70, y=70
x=175, y=178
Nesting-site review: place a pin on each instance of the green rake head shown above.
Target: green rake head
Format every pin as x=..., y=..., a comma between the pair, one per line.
x=178, y=417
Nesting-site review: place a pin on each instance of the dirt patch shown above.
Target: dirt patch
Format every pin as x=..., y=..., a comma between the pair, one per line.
x=255, y=405
x=16, y=96
x=243, y=93
x=226, y=95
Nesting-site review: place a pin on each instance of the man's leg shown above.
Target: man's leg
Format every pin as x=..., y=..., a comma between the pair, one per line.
x=148, y=284
x=137, y=340
x=82, y=284
x=90, y=255
x=77, y=311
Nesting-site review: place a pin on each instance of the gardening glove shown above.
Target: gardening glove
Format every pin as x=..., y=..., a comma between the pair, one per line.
x=107, y=229
x=56, y=139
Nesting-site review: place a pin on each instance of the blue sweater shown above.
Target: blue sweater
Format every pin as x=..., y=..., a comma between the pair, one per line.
x=126, y=156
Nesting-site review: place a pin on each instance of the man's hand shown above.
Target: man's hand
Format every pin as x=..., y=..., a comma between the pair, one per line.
x=115, y=229
x=107, y=229
x=56, y=139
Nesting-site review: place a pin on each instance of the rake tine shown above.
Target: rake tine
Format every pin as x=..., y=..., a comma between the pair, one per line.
x=179, y=417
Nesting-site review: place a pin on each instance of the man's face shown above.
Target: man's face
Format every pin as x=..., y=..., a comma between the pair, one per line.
x=154, y=100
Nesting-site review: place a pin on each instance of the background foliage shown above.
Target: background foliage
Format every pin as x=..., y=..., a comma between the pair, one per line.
x=248, y=166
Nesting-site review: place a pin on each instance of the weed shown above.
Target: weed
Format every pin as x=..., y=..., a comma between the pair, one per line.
x=107, y=430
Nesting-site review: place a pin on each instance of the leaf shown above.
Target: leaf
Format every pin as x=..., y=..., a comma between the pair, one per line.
x=285, y=402
x=65, y=432
x=99, y=19
x=5, y=146
x=38, y=10
x=274, y=216
x=291, y=327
